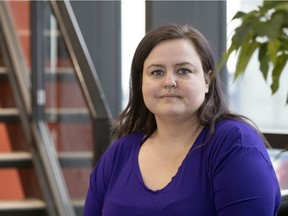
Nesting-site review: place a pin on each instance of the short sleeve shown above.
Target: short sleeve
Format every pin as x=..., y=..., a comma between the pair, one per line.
x=110, y=164
x=245, y=184
x=99, y=179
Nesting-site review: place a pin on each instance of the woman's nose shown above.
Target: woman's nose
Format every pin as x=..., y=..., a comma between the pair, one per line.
x=170, y=81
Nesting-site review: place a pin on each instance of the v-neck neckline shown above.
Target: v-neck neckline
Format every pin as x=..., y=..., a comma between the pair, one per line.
x=178, y=173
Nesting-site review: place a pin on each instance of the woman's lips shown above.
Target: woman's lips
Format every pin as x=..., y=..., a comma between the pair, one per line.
x=169, y=96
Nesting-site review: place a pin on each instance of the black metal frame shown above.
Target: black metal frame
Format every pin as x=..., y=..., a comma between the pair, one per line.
x=86, y=73
x=37, y=66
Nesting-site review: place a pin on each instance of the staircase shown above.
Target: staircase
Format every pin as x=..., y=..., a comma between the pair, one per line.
x=62, y=127
x=19, y=184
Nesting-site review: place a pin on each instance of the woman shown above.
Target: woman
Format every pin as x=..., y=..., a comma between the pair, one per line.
x=179, y=150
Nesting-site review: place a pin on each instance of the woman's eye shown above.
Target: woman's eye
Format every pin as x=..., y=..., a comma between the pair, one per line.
x=184, y=71
x=157, y=73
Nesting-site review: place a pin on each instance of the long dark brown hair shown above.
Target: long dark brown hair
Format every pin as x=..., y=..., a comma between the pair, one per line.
x=136, y=117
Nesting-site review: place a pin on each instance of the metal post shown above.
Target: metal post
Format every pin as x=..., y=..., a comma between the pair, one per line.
x=37, y=66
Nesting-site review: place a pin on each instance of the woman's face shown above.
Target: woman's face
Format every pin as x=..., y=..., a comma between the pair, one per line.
x=174, y=85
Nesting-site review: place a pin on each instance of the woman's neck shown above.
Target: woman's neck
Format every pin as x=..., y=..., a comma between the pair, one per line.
x=181, y=132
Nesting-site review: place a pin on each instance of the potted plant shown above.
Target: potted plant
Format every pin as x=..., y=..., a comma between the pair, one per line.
x=265, y=31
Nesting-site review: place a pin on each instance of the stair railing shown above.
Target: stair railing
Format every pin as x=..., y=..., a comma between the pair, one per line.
x=36, y=133
x=86, y=73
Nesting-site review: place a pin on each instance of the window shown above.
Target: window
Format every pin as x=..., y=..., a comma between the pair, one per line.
x=133, y=29
x=250, y=95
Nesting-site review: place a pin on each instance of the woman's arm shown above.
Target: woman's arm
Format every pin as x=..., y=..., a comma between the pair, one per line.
x=94, y=199
x=245, y=184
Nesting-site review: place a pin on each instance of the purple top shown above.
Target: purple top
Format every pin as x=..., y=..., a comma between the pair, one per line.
x=230, y=175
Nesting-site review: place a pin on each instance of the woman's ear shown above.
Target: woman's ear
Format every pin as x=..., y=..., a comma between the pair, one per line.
x=207, y=77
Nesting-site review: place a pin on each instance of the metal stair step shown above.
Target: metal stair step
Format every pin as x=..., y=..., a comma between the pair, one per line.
x=78, y=206
x=15, y=159
x=27, y=207
x=52, y=115
x=67, y=115
x=75, y=159
x=3, y=73
x=32, y=207
x=65, y=74
x=9, y=115
x=24, y=159
x=22, y=204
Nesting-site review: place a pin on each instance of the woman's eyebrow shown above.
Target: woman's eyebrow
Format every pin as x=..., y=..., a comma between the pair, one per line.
x=177, y=65
x=155, y=65
x=184, y=63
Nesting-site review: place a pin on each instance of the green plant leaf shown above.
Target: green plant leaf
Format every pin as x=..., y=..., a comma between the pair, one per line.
x=268, y=4
x=273, y=48
x=238, y=15
x=278, y=68
x=261, y=29
x=281, y=6
x=263, y=59
x=242, y=35
x=274, y=25
x=225, y=57
x=244, y=57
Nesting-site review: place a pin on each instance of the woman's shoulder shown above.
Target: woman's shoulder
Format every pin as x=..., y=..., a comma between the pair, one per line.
x=119, y=151
x=236, y=136
x=126, y=140
x=234, y=124
x=124, y=145
x=243, y=133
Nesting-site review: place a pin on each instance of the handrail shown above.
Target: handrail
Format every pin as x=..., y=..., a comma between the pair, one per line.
x=36, y=134
x=81, y=59
x=51, y=162
x=86, y=73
